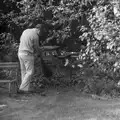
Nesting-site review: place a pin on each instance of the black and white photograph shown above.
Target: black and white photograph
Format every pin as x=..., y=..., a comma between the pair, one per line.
x=59, y=59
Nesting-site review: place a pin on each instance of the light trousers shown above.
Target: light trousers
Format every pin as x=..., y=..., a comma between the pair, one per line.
x=27, y=70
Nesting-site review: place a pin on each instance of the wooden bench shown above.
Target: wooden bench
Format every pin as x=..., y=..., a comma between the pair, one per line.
x=10, y=82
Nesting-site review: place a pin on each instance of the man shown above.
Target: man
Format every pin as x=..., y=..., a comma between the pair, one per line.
x=29, y=46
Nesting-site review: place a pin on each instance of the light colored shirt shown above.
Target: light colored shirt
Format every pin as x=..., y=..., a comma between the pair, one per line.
x=29, y=41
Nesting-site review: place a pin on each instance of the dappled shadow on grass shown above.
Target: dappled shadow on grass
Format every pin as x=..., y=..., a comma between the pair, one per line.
x=58, y=104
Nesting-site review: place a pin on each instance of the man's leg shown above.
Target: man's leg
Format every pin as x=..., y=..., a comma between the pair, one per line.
x=22, y=67
x=29, y=65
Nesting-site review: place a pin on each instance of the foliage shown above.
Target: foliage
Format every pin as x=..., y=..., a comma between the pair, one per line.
x=60, y=21
x=90, y=27
x=102, y=49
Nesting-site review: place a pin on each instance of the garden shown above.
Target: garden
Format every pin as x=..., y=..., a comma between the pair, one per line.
x=88, y=27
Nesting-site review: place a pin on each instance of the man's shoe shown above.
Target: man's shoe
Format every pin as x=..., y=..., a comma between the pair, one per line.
x=22, y=92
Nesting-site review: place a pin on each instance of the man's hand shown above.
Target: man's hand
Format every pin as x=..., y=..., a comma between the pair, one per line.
x=49, y=39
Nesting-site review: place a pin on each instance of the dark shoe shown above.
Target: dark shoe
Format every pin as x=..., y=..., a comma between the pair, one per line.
x=22, y=92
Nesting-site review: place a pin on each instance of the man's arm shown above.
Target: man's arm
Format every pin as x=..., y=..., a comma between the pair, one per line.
x=37, y=45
